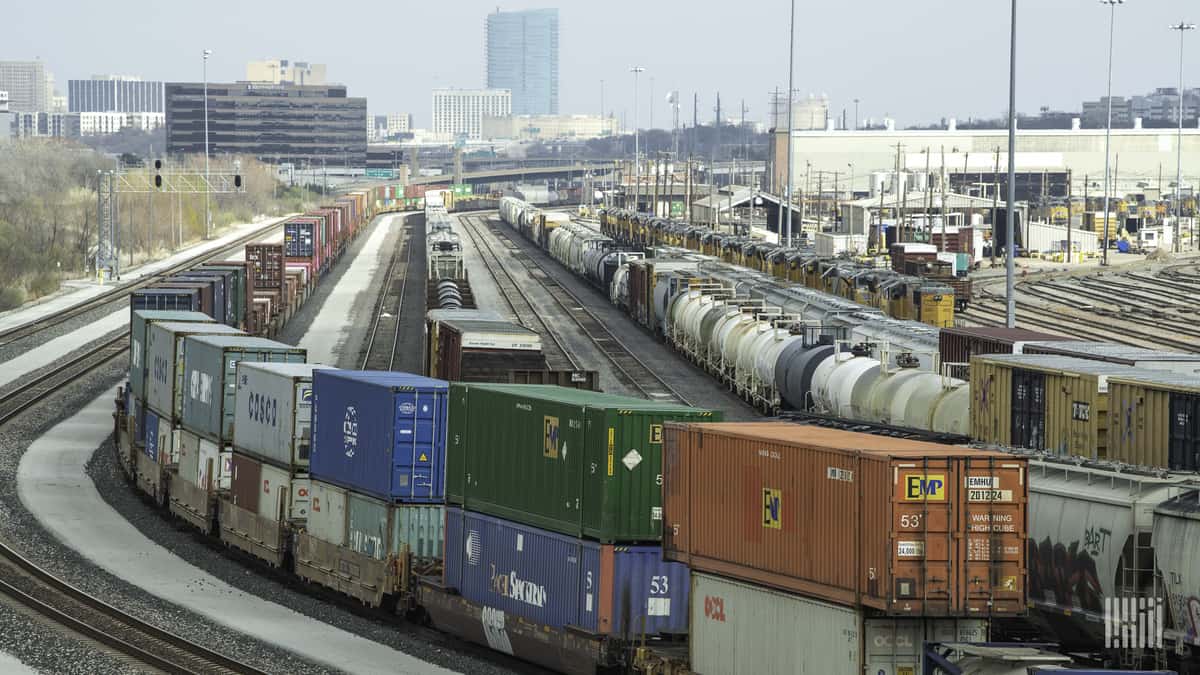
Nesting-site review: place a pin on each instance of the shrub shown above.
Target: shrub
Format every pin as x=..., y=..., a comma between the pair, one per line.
x=43, y=283
x=11, y=297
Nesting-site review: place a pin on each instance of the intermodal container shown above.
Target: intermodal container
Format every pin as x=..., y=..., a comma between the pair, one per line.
x=1043, y=402
x=904, y=527
x=219, y=282
x=379, y=529
x=1155, y=420
x=164, y=362
x=284, y=495
x=327, y=512
x=139, y=325
x=557, y=580
x=241, y=284
x=744, y=629
x=180, y=299
x=957, y=345
x=203, y=293
x=267, y=262
x=380, y=433
x=273, y=421
x=151, y=436
x=210, y=368
x=246, y=482
x=470, y=350
x=582, y=463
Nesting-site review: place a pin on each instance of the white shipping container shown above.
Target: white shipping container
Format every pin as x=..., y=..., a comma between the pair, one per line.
x=225, y=478
x=742, y=628
x=275, y=501
x=831, y=245
x=1048, y=238
x=189, y=457
x=208, y=461
x=301, y=502
x=327, y=513
x=273, y=418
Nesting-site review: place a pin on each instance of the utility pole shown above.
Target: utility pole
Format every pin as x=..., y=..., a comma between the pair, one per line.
x=790, y=89
x=928, y=196
x=942, y=182
x=1182, y=27
x=1011, y=315
x=995, y=203
x=687, y=193
x=207, y=179
x=896, y=188
x=1112, y=18
x=1069, y=256
x=637, y=175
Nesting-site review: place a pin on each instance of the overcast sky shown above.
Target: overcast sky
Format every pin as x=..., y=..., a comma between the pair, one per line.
x=915, y=61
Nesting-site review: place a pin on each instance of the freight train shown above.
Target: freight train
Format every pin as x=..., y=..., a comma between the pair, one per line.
x=1099, y=409
x=912, y=282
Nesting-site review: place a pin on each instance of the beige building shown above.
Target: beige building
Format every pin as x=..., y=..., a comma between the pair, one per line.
x=1138, y=155
x=284, y=71
x=547, y=127
x=29, y=85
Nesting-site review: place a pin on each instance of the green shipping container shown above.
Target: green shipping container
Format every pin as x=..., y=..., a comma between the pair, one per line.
x=582, y=463
x=379, y=529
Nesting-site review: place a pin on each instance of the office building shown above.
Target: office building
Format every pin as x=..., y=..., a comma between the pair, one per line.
x=30, y=88
x=1159, y=108
x=547, y=127
x=101, y=123
x=3, y=101
x=291, y=123
x=522, y=56
x=398, y=123
x=284, y=71
x=114, y=94
x=460, y=112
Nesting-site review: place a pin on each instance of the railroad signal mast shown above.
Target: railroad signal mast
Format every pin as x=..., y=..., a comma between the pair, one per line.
x=114, y=182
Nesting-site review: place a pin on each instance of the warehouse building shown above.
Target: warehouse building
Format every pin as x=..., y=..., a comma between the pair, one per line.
x=291, y=123
x=1043, y=158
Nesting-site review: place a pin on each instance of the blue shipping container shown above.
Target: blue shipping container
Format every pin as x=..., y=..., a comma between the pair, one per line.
x=151, y=435
x=298, y=240
x=165, y=298
x=380, y=433
x=558, y=581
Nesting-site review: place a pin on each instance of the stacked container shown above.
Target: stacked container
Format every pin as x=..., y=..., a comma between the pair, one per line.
x=559, y=491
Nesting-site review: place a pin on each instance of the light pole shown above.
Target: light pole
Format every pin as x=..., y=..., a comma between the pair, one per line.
x=850, y=192
x=1010, y=264
x=791, y=62
x=207, y=184
x=637, y=157
x=1112, y=18
x=1182, y=27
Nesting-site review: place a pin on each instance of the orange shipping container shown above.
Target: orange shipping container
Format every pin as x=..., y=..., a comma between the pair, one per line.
x=908, y=528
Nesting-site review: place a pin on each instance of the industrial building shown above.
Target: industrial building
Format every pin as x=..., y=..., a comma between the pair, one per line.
x=1044, y=157
x=546, y=127
x=291, y=123
x=522, y=56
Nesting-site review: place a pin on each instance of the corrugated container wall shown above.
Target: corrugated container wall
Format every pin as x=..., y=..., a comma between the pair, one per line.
x=274, y=412
x=378, y=529
x=558, y=581
x=139, y=327
x=908, y=528
x=164, y=359
x=1041, y=402
x=381, y=433
x=1156, y=420
x=582, y=463
x=327, y=513
x=210, y=365
x=958, y=345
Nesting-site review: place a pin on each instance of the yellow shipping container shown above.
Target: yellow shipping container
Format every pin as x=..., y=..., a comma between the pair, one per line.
x=1043, y=402
x=1155, y=420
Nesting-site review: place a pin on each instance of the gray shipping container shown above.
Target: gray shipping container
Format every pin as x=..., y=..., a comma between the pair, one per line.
x=327, y=513
x=210, y=371
x=378, y=529
x=164, y=363
x=139, y=324
x=742, y=628
x=274, y=412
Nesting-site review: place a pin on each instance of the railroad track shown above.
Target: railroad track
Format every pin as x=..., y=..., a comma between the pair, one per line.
x=117, y=293
x=33, y=390
x=631, y=371
x=558, y=356
x=29, y=585
x=390, y=306
x=1056, y=322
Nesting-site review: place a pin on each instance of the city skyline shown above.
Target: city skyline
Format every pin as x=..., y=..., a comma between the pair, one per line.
x=915, y=67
